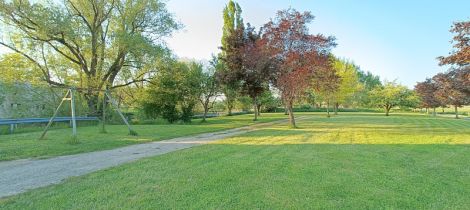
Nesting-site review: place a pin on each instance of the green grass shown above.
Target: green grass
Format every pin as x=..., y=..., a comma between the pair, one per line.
x=352, y=161
x=57, y=142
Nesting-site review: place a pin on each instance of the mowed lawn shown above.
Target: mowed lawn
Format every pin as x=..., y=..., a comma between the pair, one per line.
x=352, y=161
x=27, y=145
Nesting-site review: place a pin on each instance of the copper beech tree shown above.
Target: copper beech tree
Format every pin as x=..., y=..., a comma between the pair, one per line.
x=249, y=64
x=427, y=92
x=296, y=53
x=453, y=88
x=461, y=55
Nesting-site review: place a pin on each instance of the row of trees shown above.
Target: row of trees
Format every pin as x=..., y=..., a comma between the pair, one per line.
x=104, y=44
x=281, y=55
x=453, y=86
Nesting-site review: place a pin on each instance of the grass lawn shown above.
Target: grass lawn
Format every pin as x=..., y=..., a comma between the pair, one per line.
x=27, y=145
x=352, y=161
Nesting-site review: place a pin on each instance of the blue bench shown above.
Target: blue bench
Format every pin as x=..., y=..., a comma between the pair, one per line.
x=14, y=122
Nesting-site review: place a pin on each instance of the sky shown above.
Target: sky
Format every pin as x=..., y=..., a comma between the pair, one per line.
x=397, y=40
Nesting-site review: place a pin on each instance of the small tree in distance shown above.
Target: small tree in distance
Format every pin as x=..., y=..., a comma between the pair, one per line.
x=209, y=88
x=391, y=95
x=427, y=92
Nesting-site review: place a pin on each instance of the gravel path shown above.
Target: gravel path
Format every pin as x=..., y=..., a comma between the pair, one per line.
x=21, y=175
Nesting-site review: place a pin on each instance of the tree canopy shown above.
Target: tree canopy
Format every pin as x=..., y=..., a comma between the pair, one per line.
x=391, y=95
x=89, y=44
x=296, y=53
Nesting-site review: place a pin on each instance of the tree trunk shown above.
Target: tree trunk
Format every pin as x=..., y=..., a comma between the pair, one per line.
x=456, y=112
x=286, y=112
x=336, y=108
x=229, y=108
x=204, y=116
x=255, y=109
x=387, y=110
x=259, y=109
x=434, y=112
x=328, y=108
x=290, y=111
x=92, y=98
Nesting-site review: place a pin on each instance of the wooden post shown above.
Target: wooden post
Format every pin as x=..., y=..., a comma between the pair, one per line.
x=103, y=118
x=72, y=106
x=12, y=128
x=54, y=115
x=114, y=103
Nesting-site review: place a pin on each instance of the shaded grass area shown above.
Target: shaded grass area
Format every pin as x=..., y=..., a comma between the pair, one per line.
x=27, y=145
x=353, y=161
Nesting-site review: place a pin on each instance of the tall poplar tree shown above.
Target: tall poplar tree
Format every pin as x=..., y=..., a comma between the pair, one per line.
x=233, y=23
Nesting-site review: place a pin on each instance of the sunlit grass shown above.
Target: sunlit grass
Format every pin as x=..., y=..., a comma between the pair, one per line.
x=351, y=128
x=352, y=161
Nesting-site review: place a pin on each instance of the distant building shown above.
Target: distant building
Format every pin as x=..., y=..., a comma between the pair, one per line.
x=25, y=101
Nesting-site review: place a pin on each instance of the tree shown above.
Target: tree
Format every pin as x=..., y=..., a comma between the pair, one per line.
x=233, y=23
x=95, y=43
x=16, y=69
x=427, y=92
x=369, y=81
x=268, y=101
x=326, y=83
x=349, y=85
x=296, y=53
x=209, y=88
x=461, y=55
x=391, y=95
x=452, y=88
x=250, y=65
x=174, y=92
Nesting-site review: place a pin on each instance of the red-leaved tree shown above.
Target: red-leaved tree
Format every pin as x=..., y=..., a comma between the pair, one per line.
x=461, y=55
x=296, y=53
x=452, y=88
x=427, y=91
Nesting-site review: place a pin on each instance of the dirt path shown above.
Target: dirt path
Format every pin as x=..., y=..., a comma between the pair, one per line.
x=21, y=175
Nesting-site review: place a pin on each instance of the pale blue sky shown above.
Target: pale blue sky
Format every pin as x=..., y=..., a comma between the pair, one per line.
x=397, y=39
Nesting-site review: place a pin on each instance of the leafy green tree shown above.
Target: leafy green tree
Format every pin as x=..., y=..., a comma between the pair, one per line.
x=232, y=21
x=369, y=81
x=174, y=92
x=89, y=44
x=244, y=103
x=209, y=88
x=326, y=83
x=392, y=95
x=349, y=85
x=268, y=102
